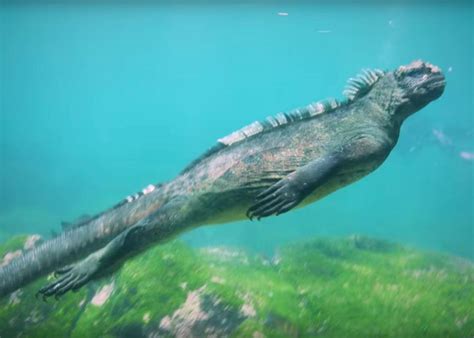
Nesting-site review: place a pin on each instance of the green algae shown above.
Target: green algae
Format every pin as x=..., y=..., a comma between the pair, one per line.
x=357, y=286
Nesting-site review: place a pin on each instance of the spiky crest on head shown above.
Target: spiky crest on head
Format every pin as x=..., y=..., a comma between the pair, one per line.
x=361, y=84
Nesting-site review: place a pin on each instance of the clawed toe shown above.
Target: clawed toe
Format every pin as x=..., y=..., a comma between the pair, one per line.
x=262, y=209
x=63, y=270
x=69, y=281
x=277, y=199
x=57, y=288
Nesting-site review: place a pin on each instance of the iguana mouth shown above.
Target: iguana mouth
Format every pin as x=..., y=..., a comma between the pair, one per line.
x=425, y=73
x=435, y=84
x=437, y=80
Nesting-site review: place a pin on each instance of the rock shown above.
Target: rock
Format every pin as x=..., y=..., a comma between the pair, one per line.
x=350, y=287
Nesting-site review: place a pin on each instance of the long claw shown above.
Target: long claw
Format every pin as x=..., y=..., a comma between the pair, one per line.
x=279, y=198
x=72, y=277
x=47, y=289
x=53, y=288
x=272, y=210
x=65, y=288
x=261, y=210
x=258, y=205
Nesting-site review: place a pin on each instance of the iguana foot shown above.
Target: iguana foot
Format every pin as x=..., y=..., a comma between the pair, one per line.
x=71, y=277
x=279, y=198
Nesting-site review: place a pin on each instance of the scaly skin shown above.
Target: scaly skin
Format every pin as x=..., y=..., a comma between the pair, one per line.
x=266, y=174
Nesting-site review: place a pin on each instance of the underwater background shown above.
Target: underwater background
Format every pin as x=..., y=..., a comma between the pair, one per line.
x=99, y=99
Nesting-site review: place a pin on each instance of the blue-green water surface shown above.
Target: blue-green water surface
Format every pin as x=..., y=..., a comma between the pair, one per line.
x=100, y=99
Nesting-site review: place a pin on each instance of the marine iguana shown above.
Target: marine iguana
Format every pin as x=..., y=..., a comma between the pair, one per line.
x=266, y=168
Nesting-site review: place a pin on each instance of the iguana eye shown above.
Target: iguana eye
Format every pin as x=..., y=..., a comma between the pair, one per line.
x=413, y=72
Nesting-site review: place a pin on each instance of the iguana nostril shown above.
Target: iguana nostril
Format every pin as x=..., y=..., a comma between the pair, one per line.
x=432, y=68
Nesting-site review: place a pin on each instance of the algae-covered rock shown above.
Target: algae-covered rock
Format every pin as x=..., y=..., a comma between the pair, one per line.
x=354, y=287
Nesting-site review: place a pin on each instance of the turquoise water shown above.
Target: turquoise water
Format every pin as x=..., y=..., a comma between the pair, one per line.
x=99, y=100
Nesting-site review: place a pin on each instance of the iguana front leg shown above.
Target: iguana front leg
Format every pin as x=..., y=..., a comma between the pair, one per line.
x=294, y=188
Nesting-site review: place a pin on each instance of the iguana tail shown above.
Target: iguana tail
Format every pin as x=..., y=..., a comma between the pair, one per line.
x=78, y=242
x=48, y=257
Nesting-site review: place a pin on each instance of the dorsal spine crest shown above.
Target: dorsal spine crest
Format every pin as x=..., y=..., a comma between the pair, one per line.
x=361, y=84
x=356, y=87
x=280, y=119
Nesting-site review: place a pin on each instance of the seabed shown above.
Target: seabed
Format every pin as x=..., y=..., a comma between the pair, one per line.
x=349, y=287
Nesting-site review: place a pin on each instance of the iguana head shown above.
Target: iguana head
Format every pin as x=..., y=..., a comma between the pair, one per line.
x=401, y=92
x=409, y=88
x=417, y=84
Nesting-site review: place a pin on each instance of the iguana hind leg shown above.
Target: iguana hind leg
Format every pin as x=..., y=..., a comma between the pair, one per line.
x=161, y=225
x=74, y=276
x=294, y=188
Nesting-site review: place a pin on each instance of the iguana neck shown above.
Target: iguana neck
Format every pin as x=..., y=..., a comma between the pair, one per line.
x=379, y=106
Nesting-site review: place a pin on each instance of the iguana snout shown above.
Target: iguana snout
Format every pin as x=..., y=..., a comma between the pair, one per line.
x=421, y=82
